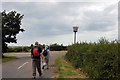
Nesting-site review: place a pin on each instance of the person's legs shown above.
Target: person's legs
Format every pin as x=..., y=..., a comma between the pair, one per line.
x=34, y=67
x=44, y=61
x=47, y=62
x=39, y=66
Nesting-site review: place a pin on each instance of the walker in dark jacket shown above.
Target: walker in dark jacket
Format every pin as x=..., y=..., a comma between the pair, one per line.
x=36, y=60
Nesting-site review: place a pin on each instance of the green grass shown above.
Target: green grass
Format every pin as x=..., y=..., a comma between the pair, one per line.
x=8, y=58
x=65, y=69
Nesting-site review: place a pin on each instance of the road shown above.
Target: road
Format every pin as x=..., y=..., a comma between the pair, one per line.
x=22, y=67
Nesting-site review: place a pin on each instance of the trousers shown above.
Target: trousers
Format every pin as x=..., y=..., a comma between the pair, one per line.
x=36, y=64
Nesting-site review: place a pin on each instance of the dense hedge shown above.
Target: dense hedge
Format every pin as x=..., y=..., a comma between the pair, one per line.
x=98, y=60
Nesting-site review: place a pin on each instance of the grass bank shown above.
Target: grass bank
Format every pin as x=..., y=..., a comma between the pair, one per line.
x=8, y=58
x=65, y=70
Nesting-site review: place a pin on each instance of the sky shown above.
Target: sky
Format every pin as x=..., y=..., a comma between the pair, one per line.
x=51, y=21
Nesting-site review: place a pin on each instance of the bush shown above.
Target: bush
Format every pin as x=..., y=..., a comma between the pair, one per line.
x=98, y=60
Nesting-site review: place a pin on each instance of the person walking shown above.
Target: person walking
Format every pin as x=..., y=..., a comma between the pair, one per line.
x=46, y=54
x=31, y=46
x=36, y=59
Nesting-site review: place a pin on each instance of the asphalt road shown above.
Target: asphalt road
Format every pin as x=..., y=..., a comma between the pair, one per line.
x=22, y=67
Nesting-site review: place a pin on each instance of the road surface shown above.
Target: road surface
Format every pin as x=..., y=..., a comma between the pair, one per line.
x=22, y=67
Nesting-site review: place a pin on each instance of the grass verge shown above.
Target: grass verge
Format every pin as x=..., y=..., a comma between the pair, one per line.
x=66, y=70
x=8, y=58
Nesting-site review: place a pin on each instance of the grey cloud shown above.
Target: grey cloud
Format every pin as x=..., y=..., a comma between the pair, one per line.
x=46, y=19
x=119, y=21
x=100, y=20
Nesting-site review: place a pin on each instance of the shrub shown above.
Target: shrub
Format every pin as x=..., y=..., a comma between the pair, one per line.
x=98, y=60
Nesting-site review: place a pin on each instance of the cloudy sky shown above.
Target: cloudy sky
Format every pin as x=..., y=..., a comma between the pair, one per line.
x=52, y=22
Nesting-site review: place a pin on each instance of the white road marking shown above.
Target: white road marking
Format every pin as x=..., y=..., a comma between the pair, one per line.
x=22, y=65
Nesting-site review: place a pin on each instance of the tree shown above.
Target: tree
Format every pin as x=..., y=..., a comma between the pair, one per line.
x=57, y=47
x=11, y=26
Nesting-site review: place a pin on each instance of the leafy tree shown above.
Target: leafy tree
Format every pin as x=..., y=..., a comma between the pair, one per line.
x=11, y=26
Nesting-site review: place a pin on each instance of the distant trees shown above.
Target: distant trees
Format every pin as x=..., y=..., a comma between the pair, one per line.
x=52, y=47
x=19, y=49
x=11, y=26
x=57, y=47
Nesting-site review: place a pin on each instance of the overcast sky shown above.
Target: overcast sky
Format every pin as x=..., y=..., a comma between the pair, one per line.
x=52, y=22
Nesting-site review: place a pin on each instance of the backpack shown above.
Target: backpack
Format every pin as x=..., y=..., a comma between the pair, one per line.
x=45, y=52
x=35, y=52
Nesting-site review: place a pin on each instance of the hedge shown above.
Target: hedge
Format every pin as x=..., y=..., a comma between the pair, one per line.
x=98, y=60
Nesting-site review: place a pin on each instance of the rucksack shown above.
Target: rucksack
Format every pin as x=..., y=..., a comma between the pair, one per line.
x=35, y=52
x=45, y=52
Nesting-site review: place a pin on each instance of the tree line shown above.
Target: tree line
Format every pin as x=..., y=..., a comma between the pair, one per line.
x=52, y=47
